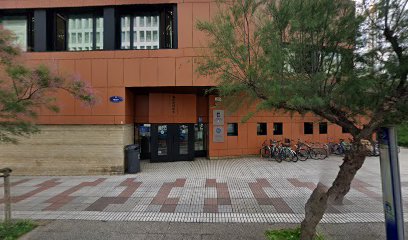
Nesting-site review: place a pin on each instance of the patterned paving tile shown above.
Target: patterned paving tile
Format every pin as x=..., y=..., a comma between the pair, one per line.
x=236, y=190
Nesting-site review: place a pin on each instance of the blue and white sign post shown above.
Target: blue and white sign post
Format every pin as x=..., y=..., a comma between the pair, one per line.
x=391, y=183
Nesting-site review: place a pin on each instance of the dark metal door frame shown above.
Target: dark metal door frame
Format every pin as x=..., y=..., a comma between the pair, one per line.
x=172, y=142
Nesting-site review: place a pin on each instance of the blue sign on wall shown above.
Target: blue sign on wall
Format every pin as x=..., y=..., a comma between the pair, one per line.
x=116, y=99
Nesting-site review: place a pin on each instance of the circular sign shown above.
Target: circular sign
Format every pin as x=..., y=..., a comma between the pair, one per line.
x=218, y=130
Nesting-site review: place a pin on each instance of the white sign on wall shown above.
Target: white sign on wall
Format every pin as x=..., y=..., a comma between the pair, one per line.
x=218, y=117
x=218, y=134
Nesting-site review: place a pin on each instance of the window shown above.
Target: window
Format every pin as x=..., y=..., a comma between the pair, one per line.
x=313, y=61
x=21, y=27
x=147, y=27
x=261, y=129
x=145, y=32
x=344, y=130
x=308, y=128
x=81, y=30
x=323, y=128
x=232, y=129
x=277, y=128
x=77, y=32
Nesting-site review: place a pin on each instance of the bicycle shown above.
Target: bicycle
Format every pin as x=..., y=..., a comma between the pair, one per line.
x=319, y=151
x=270, y=150
x=265, y=150
x=286, y=152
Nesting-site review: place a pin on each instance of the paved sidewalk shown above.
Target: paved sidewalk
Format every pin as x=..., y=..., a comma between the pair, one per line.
x=237, y=190
x=79, y=229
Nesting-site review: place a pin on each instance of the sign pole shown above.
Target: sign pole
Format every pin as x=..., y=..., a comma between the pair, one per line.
x=391, y=183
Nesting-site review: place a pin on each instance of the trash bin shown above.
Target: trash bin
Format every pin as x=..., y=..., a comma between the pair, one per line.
x=132, y=158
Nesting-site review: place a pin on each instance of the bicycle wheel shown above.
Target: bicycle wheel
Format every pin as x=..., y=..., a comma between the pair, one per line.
x=275, y=155
x=285, y=155
x=281, y=155
x=265, y=152
x=302, y=154
x=293, y=156
x=319, y=153
x=337, y=150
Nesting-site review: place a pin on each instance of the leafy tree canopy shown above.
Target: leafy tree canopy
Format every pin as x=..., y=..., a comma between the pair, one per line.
x=341, y=60
x=24, y=90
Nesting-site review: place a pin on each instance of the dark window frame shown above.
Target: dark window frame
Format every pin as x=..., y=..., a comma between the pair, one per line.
x=323, y=128
x=234, y=133
x=277, y=130
x=261, y=129
x=64, y=13
x=143, y=10
x=306, y=128
x=29, y=14
x=344, y=130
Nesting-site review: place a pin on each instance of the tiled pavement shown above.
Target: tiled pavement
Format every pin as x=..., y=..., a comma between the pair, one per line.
x=235, y=190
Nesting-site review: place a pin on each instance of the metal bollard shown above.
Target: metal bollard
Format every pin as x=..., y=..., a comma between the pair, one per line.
x=5, y=173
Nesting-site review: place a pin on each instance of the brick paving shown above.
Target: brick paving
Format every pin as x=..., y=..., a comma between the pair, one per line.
x=235, y=190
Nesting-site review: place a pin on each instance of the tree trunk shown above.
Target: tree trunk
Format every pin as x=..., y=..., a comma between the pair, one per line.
x=316, y=205
x=352, y=162
x=314, y=209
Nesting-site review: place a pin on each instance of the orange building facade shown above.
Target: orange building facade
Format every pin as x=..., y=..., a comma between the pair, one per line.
x=139, y=57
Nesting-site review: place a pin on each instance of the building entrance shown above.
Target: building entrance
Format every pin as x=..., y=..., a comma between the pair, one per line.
x=172, y=142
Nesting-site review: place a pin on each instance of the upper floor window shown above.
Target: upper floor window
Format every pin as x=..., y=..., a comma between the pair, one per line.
x=76, y=31
x=81, y=31
x=21, y=27
x=147, y=27
x=145, y=32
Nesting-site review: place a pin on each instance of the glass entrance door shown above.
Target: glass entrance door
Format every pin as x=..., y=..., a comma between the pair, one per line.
x=200, y=139
x=172, y=142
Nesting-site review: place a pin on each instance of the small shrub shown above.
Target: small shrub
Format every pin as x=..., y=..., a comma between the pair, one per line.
x=286, y=234
x=15, y=229
x=402, y=133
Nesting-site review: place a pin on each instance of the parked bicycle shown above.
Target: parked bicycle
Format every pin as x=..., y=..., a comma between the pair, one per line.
x=270, y=150
x=286, y=152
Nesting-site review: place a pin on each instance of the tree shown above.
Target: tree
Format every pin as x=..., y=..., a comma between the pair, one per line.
x=24, y=90
x=342, y=61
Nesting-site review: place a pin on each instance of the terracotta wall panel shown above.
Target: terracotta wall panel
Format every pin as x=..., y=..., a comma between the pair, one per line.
x=132, y=72
x=186, y=108
x=129, y=103
x=115, y=72
x=98, y=120
x=166, y=72
x=101, y=105
x=185, y=21
x=82, y=108
x=160, y=108
x=142, y=108
x=201, y=12
x=172, y=108
x=84, y=70
x=65, y=67
x=99, y=73
x=148, y=69
x=65, y=102
x=184, y=71
x=202, y=108
x=198, y=79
